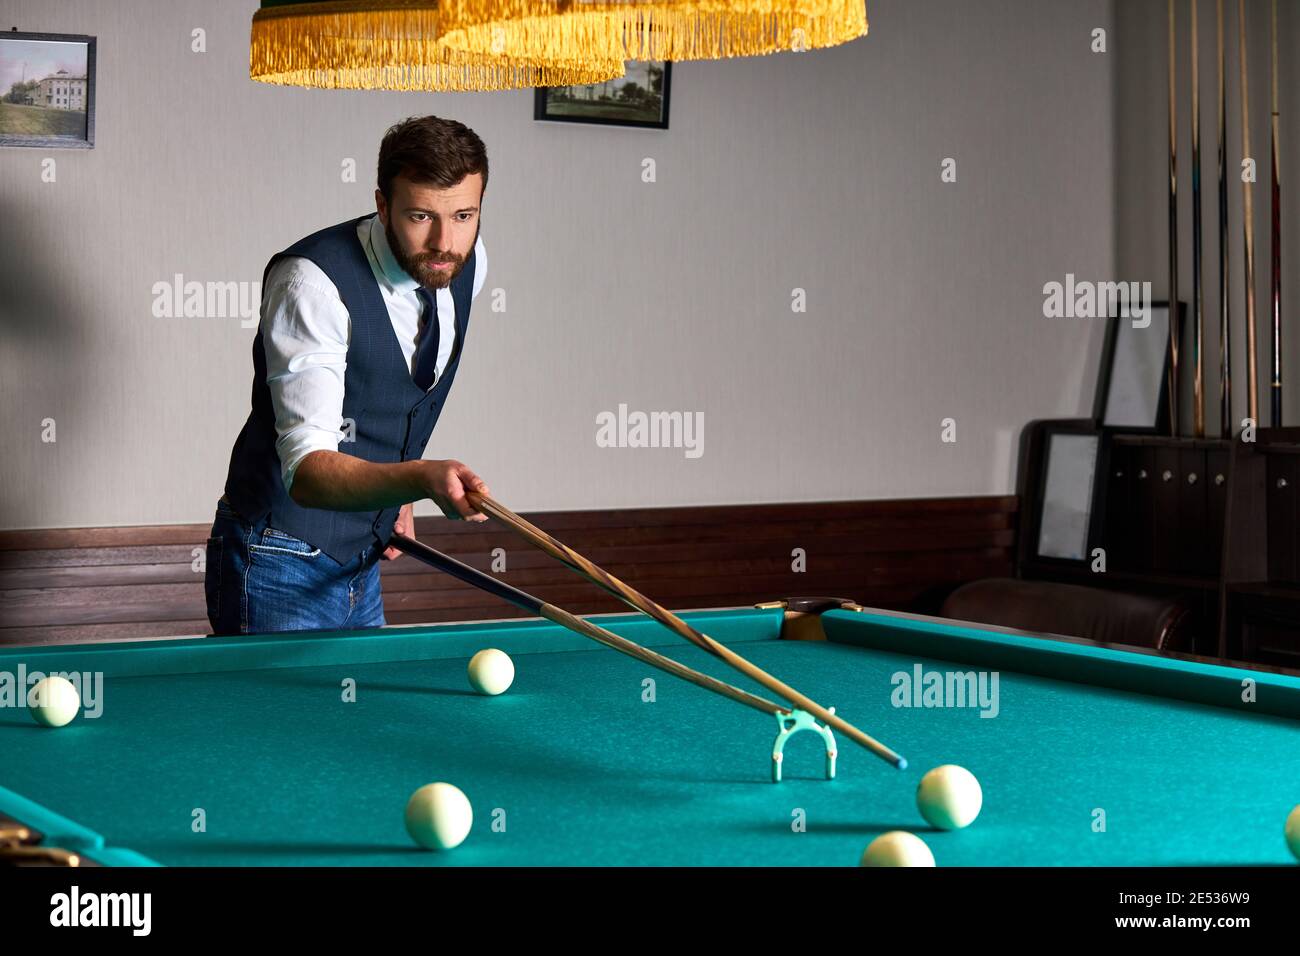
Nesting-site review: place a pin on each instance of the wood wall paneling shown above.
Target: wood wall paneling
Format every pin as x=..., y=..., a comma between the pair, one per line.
x=105, y=584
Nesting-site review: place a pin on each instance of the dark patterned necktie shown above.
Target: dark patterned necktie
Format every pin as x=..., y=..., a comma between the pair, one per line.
x=426, y=353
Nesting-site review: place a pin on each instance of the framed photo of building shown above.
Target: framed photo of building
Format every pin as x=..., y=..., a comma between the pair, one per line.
x=47, y=90
x=638, y=98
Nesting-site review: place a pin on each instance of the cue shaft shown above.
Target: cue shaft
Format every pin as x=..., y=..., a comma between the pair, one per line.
x=1247, y=184
x=1225, y=337
x=636, y=599
x=1275, y=391
x=1198, y=296
x=522, y=599
x=1173, y=232
x=562, y=617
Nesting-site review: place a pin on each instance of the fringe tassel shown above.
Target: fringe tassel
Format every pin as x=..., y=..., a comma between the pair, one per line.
x=393, y=45
x=462, y=45
x=664, y=30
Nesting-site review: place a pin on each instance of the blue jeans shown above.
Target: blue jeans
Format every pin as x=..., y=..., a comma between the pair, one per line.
x=260, y=580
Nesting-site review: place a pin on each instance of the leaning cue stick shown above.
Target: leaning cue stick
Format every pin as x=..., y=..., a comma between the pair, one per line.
x=1198, y=297
x=522, y=599
x=1276, y=390
x=1173, y=235
x=1252, y=375
x=1225, y=340
x=634, y=598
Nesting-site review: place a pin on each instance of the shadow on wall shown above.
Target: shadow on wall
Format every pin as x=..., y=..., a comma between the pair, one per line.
x=43, y=368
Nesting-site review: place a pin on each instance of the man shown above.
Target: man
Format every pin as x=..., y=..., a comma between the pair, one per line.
x=361, y=333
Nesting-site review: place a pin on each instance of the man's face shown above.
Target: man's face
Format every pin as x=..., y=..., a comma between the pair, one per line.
x=432, y=231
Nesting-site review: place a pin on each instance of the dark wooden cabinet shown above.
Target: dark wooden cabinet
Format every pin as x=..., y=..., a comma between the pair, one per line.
x=1145, y=556
x=1121, y=518
x=1265, y=625
x=1260, y=591
x=1164, y=509
x=1215, y=523
x=1216, y=500
x=1281, y=476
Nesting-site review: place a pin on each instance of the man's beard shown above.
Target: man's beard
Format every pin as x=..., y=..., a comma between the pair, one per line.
x=417, y=266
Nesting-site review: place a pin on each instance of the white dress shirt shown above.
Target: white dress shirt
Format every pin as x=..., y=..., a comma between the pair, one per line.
x=306, y=329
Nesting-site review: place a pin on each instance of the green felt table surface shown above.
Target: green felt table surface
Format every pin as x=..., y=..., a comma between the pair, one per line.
x=584, y=762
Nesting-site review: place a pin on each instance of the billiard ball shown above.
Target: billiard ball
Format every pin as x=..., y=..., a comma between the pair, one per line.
x=491, y=671
x=1292, y=831
x=54, y=701
x=949, y=797
x=897, y=848
x=438, y=816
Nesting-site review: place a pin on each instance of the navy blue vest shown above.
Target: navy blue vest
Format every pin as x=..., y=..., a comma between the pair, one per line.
x=394, y=417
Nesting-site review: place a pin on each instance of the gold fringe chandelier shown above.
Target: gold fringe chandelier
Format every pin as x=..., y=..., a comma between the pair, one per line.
x=391, y=45
x=462, y=45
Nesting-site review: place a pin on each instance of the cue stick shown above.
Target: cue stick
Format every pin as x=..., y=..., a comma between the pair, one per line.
x=1225, y=342
x=1198, y=297
x=636, y=599
x=557, y=615
x=38, y=856
x=1276, y=390
x=1252, y=374
x=1173, y=235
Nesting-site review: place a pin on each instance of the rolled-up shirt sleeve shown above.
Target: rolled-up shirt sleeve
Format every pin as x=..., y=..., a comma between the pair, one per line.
x=305, y=330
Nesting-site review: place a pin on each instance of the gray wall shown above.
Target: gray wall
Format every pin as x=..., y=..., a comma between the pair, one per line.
x=817, y=171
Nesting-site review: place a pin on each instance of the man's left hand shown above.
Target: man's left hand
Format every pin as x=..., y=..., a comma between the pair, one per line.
x=405, y=524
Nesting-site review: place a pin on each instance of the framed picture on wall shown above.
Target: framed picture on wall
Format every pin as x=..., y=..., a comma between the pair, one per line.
x=640, y=98
x=47, y=90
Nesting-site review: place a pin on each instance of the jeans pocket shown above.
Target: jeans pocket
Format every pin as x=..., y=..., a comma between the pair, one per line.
x=272, y=541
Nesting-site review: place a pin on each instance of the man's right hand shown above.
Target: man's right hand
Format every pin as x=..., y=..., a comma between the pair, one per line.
x=338, y=482
x=445, y=482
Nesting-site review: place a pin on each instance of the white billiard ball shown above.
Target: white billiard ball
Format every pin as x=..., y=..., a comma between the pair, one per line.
x=491, y=671
x=438, y=816
x=54, y=701
x=897, y=848
x=1292, y=831
x=949, y=797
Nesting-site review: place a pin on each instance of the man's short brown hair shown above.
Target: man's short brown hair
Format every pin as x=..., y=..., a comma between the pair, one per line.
x=432, y=151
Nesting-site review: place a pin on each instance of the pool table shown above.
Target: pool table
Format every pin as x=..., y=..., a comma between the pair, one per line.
x=302, y=749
